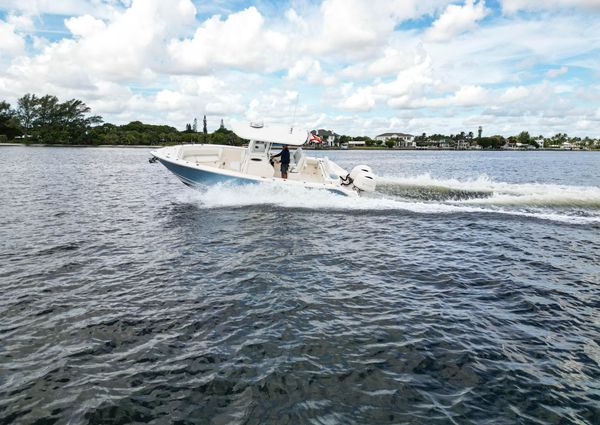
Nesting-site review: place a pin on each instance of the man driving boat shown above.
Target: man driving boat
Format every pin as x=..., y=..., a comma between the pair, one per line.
x=285, y=161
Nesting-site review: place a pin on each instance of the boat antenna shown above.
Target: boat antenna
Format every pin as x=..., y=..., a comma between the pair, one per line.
x=295, y=107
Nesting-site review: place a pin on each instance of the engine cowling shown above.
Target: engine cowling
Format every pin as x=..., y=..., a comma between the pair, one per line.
x=363, y=178
x=358, y=169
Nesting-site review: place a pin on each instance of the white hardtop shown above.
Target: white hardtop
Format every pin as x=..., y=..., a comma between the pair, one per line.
x=270, y=133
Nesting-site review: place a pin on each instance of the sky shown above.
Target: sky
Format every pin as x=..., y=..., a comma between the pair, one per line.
x=357, y=67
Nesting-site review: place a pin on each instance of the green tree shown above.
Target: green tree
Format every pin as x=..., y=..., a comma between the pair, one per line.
x=222, y=136
x=74, y=120
x=26, y=112
x=492, y=142
x=525, y=138
x=345, y=139
x=9, y=123
x=47, y=120
x=390, y=143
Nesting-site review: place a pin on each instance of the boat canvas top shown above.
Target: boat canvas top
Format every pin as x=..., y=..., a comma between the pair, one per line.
x=270, y=133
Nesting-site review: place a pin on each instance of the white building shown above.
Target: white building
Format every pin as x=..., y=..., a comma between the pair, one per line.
x=462, y=144
x=327, y=136
x=352, y=143
x=404, y=140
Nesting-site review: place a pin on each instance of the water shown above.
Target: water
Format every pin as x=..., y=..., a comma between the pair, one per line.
x=465, y=291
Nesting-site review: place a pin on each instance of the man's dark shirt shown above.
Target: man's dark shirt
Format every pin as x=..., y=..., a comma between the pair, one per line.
x=285, y=156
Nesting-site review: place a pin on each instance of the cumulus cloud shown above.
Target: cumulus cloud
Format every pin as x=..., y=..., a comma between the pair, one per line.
x=129, y=46
x=352, y=24
x=12, y=42
x=84, y=26
x=310, y=70
x=456, y=20
x=362, y=99
x=21, y=22
x=410, y=83
x=407, y=85
x=241, y=41
x=355, y=28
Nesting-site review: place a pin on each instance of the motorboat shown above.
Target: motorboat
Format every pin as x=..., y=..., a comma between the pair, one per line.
x=208, y=164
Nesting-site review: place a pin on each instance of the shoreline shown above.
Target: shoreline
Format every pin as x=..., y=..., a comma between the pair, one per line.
x=42, y=145
x=58, y=145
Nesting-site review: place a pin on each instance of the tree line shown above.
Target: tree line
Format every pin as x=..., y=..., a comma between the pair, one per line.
x=468, y=139
x=46, y=120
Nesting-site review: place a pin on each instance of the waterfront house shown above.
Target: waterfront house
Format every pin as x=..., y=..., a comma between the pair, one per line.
x=568, y=146
x=462, y=144
x=403, y=139
x=328, y=137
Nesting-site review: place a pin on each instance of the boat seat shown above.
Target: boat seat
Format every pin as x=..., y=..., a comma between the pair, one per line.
x=203, y=155
x=299, y=161
x=202, y=158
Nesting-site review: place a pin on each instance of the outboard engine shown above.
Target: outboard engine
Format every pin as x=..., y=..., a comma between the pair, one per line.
x=363, y=178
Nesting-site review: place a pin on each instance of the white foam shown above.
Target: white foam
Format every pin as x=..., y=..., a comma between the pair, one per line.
x=501, y=193
x=280, y=195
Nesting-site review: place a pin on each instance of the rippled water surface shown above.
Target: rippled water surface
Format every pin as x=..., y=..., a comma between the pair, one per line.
x=466, y=290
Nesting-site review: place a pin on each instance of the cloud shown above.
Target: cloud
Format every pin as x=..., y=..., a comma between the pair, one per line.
x=242, y=41
x=351, y=24
x=362, y=99
x=392, y=61
x=354, y=64
x=513, y=94
x=465, y=96
x=355, y=28
x=310, y=70
x=410, y=83
x=84, y=26
x=456, y=20
x=279, y=105
x=12, y=43
x=97, y=8
x=553, y=73
x=513, y=6
x=128, y=47
x=510, y=50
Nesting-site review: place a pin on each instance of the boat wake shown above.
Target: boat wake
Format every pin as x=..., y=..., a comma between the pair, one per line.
x=484, y=191
x=422, y=194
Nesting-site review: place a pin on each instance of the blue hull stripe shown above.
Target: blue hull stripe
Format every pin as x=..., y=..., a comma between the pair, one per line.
x=193, y=176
